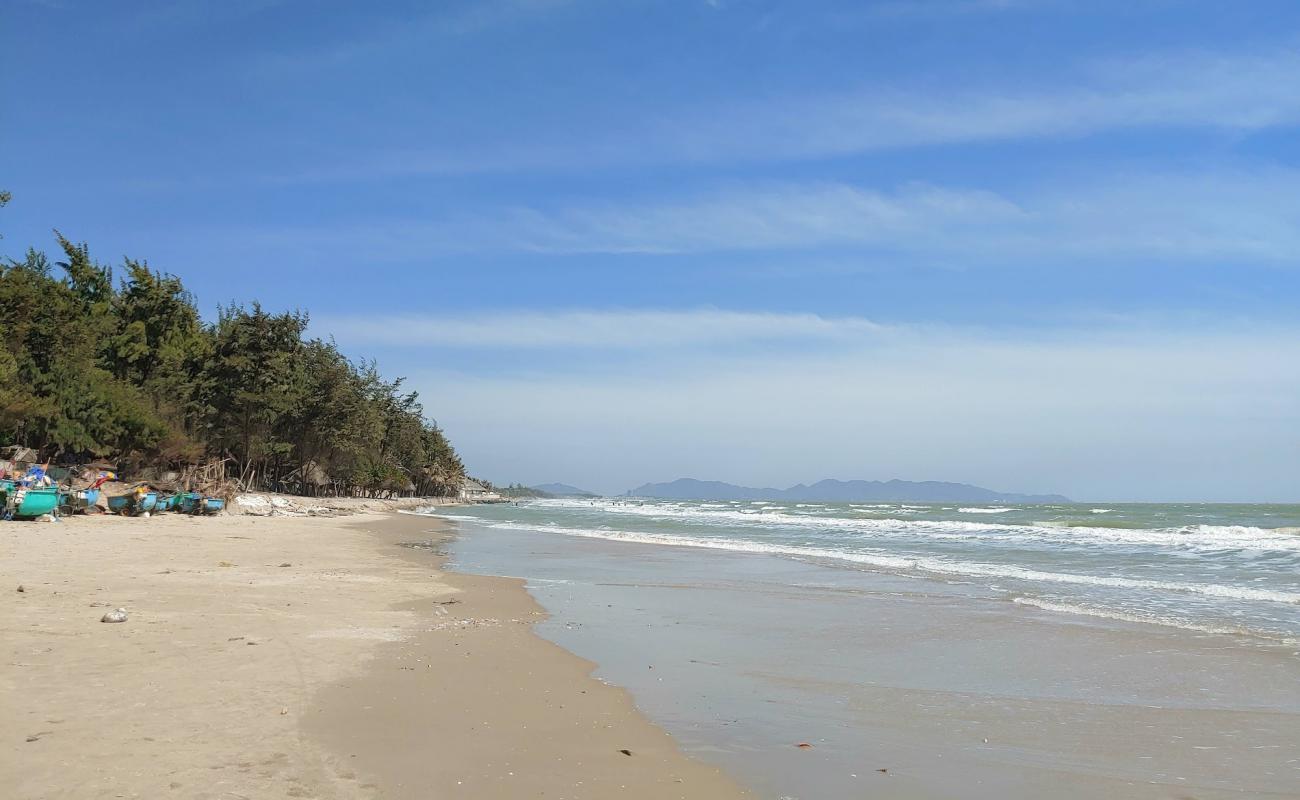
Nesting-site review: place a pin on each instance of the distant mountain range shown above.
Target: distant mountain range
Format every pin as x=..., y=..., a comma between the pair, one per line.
x=833, y=491
x=563, y=490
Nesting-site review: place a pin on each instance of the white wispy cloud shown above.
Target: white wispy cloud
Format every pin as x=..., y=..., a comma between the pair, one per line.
x=1247, y=216
x=1236, y=92
x=762, y=217
x=604, y=329
x=1228, y=92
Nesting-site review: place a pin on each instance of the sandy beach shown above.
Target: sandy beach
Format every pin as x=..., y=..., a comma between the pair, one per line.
x=298, y=657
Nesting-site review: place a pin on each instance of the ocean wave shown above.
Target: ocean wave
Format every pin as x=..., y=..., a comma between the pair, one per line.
x=1079, y=532
x=1149, y=619
x=985, y=510
x=427, y=511
x=1094, y=522
x=909, y=564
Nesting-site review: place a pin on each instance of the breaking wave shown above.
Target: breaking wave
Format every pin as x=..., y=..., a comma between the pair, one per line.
x=927, y=565
x=1080, y=532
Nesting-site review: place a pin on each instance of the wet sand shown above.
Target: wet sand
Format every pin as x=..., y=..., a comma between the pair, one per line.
x=298, y=657
x=904, y=687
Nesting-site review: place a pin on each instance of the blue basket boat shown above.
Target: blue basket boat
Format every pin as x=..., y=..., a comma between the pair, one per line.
x=212, y=505
x=78, y=501
x=133, y=503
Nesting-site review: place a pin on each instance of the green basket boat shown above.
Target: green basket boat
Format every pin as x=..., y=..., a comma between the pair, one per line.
x=188, y=502
x=22, y=503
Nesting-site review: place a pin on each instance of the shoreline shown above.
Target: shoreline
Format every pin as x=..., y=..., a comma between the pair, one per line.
x=300, y=657
x=506, y=712
x=905, y=687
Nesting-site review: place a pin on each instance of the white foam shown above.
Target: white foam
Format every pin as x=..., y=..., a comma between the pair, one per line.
x=444, y=515
x=923, y=564
x=1150, y=619
x=985, y=510
x=1191, y=537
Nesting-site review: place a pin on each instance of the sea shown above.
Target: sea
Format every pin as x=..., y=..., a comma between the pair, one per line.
x=932, y=650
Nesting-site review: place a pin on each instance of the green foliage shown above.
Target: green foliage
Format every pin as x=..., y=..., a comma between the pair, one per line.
x=131, y=371
x=517, y=491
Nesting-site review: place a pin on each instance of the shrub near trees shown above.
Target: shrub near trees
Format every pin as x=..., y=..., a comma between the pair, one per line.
x=130, y=371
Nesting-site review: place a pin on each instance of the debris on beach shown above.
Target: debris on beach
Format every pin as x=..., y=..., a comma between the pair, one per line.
x=626, y=752
x=804, y=746
x=462, y=624
x=270, y=505
x=117, y=615
x=21, y=588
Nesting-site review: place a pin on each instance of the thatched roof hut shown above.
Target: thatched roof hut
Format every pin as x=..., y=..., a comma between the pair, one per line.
x=313, y=474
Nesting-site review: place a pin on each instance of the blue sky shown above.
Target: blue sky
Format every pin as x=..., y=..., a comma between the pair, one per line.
x=1038, y=245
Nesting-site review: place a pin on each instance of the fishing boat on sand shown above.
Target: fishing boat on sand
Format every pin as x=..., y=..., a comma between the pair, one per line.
x=29, y=495
x=31, y=502
x=134, y=503
x=213, y=505
x=197, y=503
x=78, y=501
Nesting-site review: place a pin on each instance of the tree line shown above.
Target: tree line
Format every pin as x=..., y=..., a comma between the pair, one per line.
x=128, y=370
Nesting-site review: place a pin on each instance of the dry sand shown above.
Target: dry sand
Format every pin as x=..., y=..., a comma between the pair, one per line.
x=297, y=657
